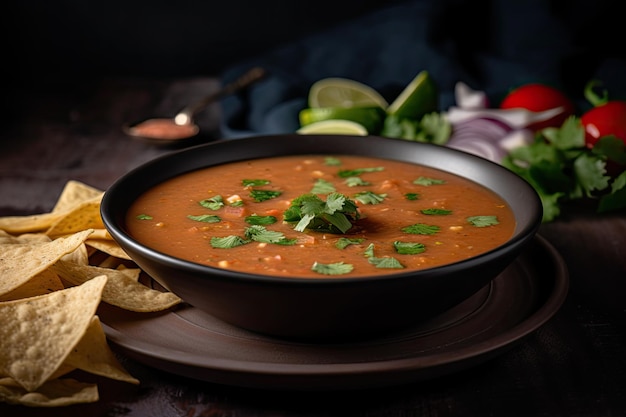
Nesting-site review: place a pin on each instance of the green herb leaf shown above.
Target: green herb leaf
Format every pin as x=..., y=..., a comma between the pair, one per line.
x=408, y=248
x=482, y=221
x=421, y=229
x=611, y=148
x=431, y=128
x=570, y=135
x=254, y=182
x=617, y=198
x=205, y=218
x=436, y=212
x=322, y=186
x=412, y=196
x=144, y=217
x=356, y=172
x=261, y=234
x=338, y=268
x=263, y=195
x=355, y=182
x=332, y=161
x=213, y=203
x=426, y=181
x=228, y=242
x=344, y=242
x=590, y=172
x=368, y=197
x=260, y=220
x=386, y=262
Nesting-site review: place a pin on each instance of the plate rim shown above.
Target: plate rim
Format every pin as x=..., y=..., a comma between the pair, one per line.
x=259, y=374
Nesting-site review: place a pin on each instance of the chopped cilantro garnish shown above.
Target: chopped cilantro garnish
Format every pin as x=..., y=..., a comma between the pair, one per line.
x=228, y=242
x=368, y=197
x=408, y=248
x=386, y=262
x=254, y=182
x=213, y=203
x=428, y=181
x=261, y=234
x=436, y=212
x=322, y=186
x=338, y=268
x=260, y=220
x=236, y=203
x=412, y=196
x=332, y=161
x=335, y=215
x=344, y=242
x=262, y=195
x=144, y=217
x=205, y=218
x=421, y=229
x=356, y=172
x=355, y=182
x=482, y=221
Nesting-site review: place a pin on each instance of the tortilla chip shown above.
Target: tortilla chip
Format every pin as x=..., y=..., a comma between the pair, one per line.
x=85, y=215
x=101, y=234
x=92, y=354
x=43, y=283
x=121, y=290
x=38, y=333
x=29, y=223
x=9, y=239
x=74, y=193
x=20, y=262
x=108, y=246
x=54, y=393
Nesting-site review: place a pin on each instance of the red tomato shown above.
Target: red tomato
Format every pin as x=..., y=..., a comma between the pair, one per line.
x=539, y=97
x=604, y=120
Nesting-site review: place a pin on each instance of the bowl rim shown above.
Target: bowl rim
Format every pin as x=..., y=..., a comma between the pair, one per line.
x=114, y=224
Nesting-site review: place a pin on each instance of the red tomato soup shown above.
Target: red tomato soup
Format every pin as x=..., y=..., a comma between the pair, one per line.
x=320, y=216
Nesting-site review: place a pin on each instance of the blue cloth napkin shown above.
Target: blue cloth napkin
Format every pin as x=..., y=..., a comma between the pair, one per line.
x=492, y=46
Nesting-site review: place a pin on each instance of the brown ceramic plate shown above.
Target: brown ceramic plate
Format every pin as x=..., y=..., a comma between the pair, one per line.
x=191, y=343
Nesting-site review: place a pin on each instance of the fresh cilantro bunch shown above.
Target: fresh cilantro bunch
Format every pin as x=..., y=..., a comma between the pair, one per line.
x=335, y=215
x=431, y=128
x=561, y=168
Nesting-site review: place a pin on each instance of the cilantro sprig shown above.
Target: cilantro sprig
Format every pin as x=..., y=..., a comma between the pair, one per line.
x=562, y=169
x=309, y=211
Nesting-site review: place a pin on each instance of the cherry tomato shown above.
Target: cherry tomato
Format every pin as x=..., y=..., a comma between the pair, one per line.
x=539, y=97
x=604, y=120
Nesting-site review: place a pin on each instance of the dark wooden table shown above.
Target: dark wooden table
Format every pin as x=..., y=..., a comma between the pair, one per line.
x=574, y=365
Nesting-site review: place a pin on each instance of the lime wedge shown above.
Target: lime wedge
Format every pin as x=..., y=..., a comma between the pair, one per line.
x=333, y=127
x=418, y=98
x=343, y=92
x=371, y=118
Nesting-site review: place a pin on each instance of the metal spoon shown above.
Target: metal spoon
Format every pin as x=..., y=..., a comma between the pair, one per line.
x=182, y=126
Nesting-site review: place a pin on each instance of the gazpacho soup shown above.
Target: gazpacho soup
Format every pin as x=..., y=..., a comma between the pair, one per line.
x=320, y=216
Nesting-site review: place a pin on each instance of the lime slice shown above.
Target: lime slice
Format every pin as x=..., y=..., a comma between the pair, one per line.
x=343, y=92
x=417, y=99
x=333, y=127
x=371, y=118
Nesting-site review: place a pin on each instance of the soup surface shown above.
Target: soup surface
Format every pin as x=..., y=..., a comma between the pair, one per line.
x=320, y=216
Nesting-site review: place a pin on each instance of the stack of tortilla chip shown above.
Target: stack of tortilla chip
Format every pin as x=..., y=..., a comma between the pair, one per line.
x=49, y=295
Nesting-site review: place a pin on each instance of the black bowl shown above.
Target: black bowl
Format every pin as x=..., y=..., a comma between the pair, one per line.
x=323, y=309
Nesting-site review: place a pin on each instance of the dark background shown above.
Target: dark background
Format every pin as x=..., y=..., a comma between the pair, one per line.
x=66, y=44
x=58, y=41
